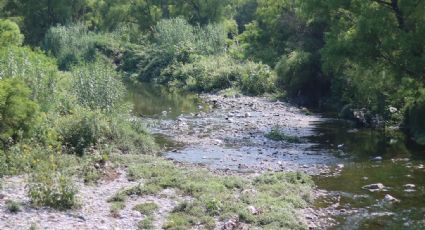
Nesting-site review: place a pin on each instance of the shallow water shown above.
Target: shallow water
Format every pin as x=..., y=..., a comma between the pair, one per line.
x=401, y=165
x=157, y=101
x=356, y=208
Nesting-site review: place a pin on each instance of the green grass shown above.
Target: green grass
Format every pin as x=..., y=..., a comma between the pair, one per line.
x=146, y=223
x=278, y=196
x=277, y=135
x=13, y=206
x=116, y=207
x=147, y=208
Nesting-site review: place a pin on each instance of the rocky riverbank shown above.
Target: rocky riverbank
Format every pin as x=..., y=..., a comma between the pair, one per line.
x=228, y=139
x=232, y=136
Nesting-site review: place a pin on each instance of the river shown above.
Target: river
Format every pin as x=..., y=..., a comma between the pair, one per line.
x=341, y=158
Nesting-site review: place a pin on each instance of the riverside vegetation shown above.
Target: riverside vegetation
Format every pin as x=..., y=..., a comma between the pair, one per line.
x=64, y=66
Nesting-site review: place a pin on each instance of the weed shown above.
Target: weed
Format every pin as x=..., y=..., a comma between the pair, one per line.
x=147, y=208
x=277, y=135
x=13, y=206
x=146, y=223
x=116, y=207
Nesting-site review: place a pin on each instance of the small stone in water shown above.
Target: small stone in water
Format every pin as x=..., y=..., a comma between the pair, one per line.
x=374, y=187
x=390, y=198
x=377, y=159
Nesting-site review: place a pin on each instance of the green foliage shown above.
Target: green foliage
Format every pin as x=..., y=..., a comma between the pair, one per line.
x=13, y=206
x=10, y=35
x=300, y=75
x=277, y=195
x=52, y=188
x=277, y=135
x=83, y=130
x=70, y=45
x=176, y=34
x=97, y=86
x=38, y=72
x=39, y=16
x=147, y=208
x=18, y=114
x=414, y=121
x=214, y=73
x=76, y=45
x=146, y=223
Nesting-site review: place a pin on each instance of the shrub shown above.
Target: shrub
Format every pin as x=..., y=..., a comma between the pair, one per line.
x=70, y=45
x=52, y=188
x=257, y=79
x=97, y=86
x=38, y=71
x=414, y=121
x=13, y=206
x=215, y=73
x=277, y=135
x=300, y=75
x=177, y=33
x=87, y=129
x=18, y=113
x=83, y=129
x=147, y=208
x=10, y=35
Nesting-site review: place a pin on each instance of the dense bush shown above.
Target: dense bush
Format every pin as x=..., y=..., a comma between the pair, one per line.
x=18, y=114
x=70, y=45
x=50, y=187
x=299, y=74
x=76, y=45
x=97, y=86
x=87, y=130
x=38, y=71
x=175, y=34
x=414, y=119
x=10, y=35
x=214, y=73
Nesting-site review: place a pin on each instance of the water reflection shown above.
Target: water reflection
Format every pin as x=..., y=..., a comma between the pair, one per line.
x=400, y=165
x=158, y=101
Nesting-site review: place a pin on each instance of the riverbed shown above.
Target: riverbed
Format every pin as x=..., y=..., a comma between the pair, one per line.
x=229, y=134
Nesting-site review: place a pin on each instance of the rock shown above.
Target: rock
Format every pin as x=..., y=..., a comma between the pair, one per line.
x=247, y=115
x=389, y=198
x=231, y=224
x=392, y=109
x=253, y=210
x=377, y=159
x=374, y=187
x=409, y=186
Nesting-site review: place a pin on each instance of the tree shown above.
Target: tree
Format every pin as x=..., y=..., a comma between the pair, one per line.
x=39, y=15
x=9, y=33
x=18, y=113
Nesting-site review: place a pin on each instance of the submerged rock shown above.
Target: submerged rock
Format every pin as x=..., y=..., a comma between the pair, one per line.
x=389, y=198
x=377, y=159
x=374, y=187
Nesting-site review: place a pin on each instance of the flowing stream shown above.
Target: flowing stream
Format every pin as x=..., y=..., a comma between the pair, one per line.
x=354, y=158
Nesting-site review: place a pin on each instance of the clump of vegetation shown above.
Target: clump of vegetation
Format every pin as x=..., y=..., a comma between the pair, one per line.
x=52, y=188
x=274, y=196
x=147, y=208
x=10, y=34
x=13, y=206
x=414, y=122
x=146, y=223
x=277, y=135
x=18, y=112
x=116, y=207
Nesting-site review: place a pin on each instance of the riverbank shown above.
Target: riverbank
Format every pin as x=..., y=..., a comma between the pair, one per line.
x=195, y=195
